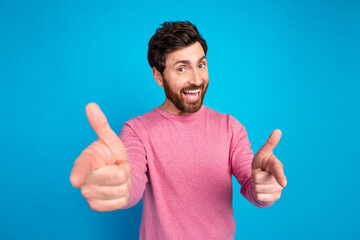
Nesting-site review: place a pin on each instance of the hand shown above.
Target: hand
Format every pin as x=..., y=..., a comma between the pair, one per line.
x=267, y=171
x=102, y=170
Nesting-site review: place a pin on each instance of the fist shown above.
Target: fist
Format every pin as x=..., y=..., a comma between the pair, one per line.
x=266, y=188
x=102, y=170
x=107, y=188
x=267, y=171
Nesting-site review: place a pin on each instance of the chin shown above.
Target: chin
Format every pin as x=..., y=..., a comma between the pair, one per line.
x=189, y=107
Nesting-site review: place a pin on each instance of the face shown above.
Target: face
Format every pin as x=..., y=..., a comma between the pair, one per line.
x=185, y=80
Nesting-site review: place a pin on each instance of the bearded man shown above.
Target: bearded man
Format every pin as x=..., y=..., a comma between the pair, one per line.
x=178, y=158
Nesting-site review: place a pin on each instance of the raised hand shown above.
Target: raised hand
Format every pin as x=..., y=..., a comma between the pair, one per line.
x=267, y=171
x=102, y=170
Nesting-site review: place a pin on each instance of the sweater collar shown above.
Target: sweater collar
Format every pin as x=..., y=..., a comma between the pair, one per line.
x=189, y=116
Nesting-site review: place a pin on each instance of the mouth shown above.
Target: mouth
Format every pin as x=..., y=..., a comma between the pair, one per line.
x=192, y=95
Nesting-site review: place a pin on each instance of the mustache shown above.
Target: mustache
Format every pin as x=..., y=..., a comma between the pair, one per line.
x=193, y=87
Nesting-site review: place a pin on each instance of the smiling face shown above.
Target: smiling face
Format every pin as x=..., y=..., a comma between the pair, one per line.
x=185, y=80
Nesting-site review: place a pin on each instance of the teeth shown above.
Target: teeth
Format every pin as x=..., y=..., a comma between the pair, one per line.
x=193, y=91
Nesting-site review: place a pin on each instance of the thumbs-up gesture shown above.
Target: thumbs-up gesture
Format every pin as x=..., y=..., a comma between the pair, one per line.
x=102, y=170
x=267, y=171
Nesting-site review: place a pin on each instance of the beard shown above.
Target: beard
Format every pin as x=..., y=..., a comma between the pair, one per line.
x=180, y=102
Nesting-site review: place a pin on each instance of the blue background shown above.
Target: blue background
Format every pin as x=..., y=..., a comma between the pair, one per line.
x=292, y=65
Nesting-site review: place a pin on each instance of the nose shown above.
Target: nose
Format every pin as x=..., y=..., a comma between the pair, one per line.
x=196, y=78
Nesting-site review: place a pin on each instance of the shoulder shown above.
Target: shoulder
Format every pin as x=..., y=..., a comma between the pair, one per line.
x=231, y=122
x=142, y=120
x=143, y=123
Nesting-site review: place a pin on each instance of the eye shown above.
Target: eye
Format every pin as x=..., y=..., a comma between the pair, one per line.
x=201, y=65
x=181, y=69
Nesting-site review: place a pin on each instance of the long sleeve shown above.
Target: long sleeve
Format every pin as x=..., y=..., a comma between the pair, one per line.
x=241, y=156
x=137, y=158
x=182, y=168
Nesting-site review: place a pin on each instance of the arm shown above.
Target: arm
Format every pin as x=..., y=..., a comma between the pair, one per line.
x=137, y=158
x=241, y=156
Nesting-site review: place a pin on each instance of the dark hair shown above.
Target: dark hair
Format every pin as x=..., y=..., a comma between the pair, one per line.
x=171, y=36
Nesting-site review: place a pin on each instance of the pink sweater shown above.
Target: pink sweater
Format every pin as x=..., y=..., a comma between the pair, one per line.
x=182, y=168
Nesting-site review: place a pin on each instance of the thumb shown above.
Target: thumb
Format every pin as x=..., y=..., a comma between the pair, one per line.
x=272, y=141
x=102, y=128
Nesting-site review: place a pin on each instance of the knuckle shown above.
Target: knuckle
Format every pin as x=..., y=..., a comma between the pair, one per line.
x=85, y=192
x=120, y=176
x=111, y=177
x=123, y=190
x=258, y=196
x=123, y=201
x=127, y=166
x=278, y=167
x=275, y=196
x=101, y=178
x=107, y=192
x=254, y=173
x=256, y=188
x=95, y=206
x=119, y=191
x=256, y=177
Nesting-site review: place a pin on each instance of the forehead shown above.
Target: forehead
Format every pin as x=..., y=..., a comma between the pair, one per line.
x=190, y=53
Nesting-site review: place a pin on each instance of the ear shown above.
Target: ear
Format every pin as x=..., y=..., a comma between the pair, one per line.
x=158, y=77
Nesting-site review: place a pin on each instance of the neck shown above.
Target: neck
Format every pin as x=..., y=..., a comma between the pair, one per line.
x=169, y=107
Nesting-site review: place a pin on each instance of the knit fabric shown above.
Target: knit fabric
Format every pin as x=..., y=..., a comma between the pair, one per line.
x=182, y=167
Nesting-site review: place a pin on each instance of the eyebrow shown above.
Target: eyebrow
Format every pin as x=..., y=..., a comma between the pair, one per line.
x=188, y=62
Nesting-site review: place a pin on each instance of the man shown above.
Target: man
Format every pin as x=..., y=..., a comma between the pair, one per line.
x=179, y=157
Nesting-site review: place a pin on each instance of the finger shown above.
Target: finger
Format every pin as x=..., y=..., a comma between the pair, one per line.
x=111, y=175
x=268, y=197
x=105, y=192
x=100, y=205
x=102, y=129
x=272, y=141
x=125, y=165
x=278, y=172
x=262, y=177
x=81, y=169
x=267, y=188
x=276, y=168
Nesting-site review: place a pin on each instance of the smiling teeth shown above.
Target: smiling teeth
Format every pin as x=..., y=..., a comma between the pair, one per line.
x=193, y=91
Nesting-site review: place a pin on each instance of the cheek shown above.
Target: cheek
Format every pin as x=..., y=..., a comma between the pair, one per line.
x=177, y=86
x=179, y=83
x=205, y=76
